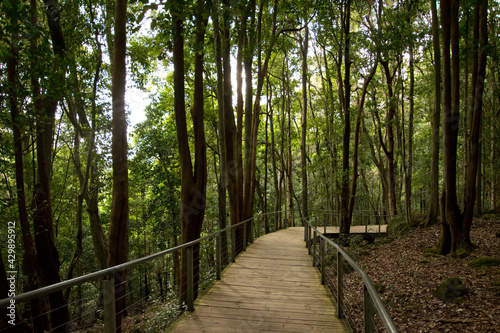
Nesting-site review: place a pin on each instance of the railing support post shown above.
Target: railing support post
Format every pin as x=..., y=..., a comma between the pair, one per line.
x=108, y=293
x=245, y=225
x=305, y=230
x=252, y=228
x=233, y=243
x=190, y=280
x=309, y=240
x=314, y=248
x=322, y=259
x=340, y=286
x=218, y=256
x=369, y=312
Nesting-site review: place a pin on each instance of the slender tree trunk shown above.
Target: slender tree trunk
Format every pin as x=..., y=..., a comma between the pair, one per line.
x=451, y=237
x=409, y=165
x=389, y=148
x=436, y=114
x=47, y=254
x=222, y=186
x=40, y=321
x=344, y=223
x=119, y=223
x=193, y=181
x=481, y=35
x=303, y=141
x=357, y=140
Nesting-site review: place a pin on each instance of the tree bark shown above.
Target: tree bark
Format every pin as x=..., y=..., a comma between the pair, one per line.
x=119, y=223
x=481, y=36
x=222, y=187
x=451, y=237
x=303, y=141
x=433, y=211
x=193, y=181
x=389, y=148
x=344, y=222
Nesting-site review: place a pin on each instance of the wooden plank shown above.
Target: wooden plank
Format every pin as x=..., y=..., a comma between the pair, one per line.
x=271, y=288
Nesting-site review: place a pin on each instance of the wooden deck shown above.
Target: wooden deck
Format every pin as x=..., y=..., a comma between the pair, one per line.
x=272, y=287
x=357, y=229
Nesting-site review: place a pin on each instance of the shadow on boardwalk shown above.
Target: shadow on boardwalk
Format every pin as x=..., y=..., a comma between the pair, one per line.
x=272, y=287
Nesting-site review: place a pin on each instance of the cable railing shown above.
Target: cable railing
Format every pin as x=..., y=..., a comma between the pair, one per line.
x=149, y=282
x=355, y=295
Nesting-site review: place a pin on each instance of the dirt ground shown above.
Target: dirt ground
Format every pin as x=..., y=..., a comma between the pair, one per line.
x=407, y=280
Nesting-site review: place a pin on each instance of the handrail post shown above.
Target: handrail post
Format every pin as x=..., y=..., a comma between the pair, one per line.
x=322, y=259
x=233, y=243
x=252, y=228
x=245, y=235
x=368, y=312
x=190, y=280
x=218, y=256
x=340, y=286
x=309, y=240
x=108, y=293
x=305, y=230
x=314, y=248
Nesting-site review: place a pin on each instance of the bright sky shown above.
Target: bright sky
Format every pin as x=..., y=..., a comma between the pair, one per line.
x=137, y=100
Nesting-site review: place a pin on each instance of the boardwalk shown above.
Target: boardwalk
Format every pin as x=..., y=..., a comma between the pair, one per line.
x=357, y=229
x=272, y=287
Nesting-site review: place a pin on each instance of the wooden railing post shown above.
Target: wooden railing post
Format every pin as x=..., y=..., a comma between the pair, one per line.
x=218, y=256
x=108, y=293
x=322, y=259
x=340, y=286
x=369, y=312
x=190, y=280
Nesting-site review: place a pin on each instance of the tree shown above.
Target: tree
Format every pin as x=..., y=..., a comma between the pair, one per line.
x=477, y=84
x=47, y=254
x=345, y=222
x=436, y=114
x=193, y=180
x=119, y=223
x=450, y=239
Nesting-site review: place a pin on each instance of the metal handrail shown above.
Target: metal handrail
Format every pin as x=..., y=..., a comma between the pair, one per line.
x=370, y=289
x=44, y=291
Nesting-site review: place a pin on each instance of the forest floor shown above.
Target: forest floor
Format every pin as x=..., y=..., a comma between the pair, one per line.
x=407, y=280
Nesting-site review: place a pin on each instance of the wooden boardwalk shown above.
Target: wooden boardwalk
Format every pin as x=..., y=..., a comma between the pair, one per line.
x=357, y=229
x=272, y=287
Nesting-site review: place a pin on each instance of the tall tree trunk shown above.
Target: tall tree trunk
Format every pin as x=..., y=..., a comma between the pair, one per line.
x=344, y=222
x=389, y=148
x=357, y=139
x=119, y=223
x=230, y=145
x=409, y=165
x=193, y=181
x=222, y=186
x=452, y=218
x=47, y=254
x=303, y=141
x=40, y=321
x=433, y=211
x=481, y=37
